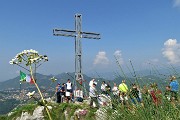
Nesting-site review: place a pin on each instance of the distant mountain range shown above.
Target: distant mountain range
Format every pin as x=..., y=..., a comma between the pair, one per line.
x=44, y=80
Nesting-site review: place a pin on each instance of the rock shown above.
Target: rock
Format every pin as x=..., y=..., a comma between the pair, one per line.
x=66, y=115
x=37, y=114
x=25, y=116
x=9, y=114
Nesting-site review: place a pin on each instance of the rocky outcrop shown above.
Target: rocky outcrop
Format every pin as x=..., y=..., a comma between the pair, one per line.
x=37, y=114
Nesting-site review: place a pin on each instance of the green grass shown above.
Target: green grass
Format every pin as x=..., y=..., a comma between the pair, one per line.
x=164, y=111
x=3, y=117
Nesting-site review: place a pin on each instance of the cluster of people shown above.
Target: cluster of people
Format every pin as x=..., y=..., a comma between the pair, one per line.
x=122, y=93
x=64, y=91
x=135, y=95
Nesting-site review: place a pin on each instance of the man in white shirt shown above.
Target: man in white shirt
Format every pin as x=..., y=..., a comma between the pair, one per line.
x=69, y=90
x=115, y=91
x=91, y=82
x=93, y=95
x=103, y=87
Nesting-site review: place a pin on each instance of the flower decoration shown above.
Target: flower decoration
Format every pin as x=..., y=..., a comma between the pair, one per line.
x=30, y=94
x=29, y=57
x=53, y=79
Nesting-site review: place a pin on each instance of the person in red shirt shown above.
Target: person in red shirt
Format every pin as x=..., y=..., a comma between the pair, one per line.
x=156, y=94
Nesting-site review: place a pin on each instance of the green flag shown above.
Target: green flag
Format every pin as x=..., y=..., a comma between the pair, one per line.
x=25, y=78
x=22, y=76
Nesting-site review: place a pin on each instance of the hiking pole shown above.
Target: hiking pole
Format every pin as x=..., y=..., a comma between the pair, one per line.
x=129, y=70
x=134, y=71
x=120, y=67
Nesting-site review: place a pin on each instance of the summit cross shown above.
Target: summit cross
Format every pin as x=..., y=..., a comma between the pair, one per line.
x=77, y=34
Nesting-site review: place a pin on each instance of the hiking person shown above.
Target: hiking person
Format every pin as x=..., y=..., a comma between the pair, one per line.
x=156, y=94
x=115, y=91
x=103, y=87
x=58, y=88
x=123, y=89
x=69, y=90
x=78, y=95
x=134, y=94
x=174, y=85
x=91, y=82
x=62, y=92
x=93, y=95
x=80, y=80
x=108, y=88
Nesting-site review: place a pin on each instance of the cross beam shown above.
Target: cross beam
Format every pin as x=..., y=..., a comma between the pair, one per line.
x=77, y=34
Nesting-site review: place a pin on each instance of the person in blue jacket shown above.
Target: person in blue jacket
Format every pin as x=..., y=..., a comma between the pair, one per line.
x=174, y=88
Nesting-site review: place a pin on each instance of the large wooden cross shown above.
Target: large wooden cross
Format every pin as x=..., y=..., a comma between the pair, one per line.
x=77, y=34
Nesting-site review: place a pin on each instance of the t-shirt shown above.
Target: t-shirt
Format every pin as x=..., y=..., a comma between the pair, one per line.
x=92, y=92
x=78, y=93
x=69, y=86
x=63, y=90
x=134, y=93
x=174, y=86
x=123, y=87
x=115, y=90
x=58, y=88
x=91, y=83
x=103, y=87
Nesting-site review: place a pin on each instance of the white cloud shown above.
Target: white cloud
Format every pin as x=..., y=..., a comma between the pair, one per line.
x=118, y=56
x=171, y=51
x=176, y=3
x=101, y=58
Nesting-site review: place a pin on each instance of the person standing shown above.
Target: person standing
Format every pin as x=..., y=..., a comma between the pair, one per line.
x=174, y=88
x=58, y=88
x=134, y=94
x=115, y=91
x=123, y=89
x=69, y=90
x=91, y=82
x=103, y=87
x=108, y=88
x=93, y=95
x=62, y=92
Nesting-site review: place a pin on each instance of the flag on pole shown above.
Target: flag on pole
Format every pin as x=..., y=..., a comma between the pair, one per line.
x=25, y=78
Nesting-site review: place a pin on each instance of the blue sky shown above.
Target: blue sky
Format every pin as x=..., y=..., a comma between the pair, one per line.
x=143, y=31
